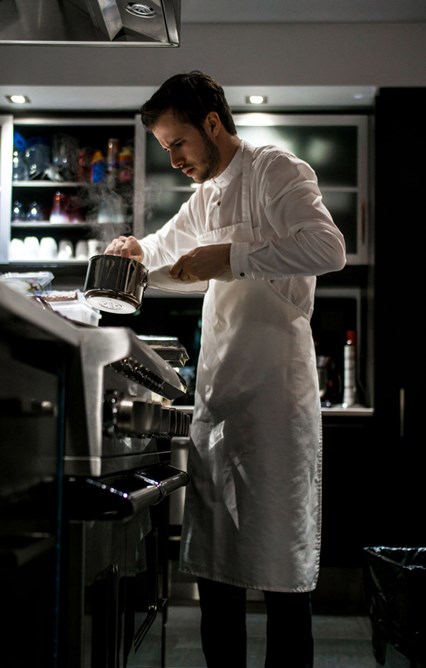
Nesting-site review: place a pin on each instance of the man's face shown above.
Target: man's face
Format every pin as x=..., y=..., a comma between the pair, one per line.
x=190, y=149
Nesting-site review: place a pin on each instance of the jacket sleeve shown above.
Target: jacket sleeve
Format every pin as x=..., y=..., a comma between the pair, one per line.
x=297, y=234
x=171, y=241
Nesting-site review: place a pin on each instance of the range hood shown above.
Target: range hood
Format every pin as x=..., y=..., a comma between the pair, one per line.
x=90, y=22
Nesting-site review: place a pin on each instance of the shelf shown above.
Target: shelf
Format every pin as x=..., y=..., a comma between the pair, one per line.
x=15, y=265
x=57, y=226
x=75, y=121
x=45, y=224
x=57, y=185
x=54, y=184
x=336, y=410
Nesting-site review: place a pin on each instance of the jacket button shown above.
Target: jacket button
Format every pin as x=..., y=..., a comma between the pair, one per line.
x=242, y=273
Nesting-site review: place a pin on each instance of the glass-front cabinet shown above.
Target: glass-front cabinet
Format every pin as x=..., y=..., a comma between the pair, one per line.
x=335, y=146
x=81, y=180
x=67, y=187
x=6, y=146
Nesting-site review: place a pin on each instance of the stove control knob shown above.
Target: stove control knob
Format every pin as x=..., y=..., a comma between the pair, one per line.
x=131, y=416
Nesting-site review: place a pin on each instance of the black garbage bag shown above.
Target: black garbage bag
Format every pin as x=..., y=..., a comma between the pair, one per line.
x=395, y=587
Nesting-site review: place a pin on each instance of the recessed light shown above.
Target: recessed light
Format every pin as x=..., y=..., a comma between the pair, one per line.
x=256, y=99
x=18, y=99
x=140, y=9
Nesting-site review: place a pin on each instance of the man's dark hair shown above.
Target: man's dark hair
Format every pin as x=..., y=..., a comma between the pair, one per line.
x=190, y=97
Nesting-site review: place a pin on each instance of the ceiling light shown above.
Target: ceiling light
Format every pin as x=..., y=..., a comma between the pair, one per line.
x=256, y=99
x=18, y=99
x=140, y=10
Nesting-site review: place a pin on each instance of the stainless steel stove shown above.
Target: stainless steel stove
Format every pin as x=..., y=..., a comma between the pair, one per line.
x=91, y=409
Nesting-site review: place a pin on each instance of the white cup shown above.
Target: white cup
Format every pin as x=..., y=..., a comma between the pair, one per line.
x=81, y=250
x=65, y=250
x=31, y=248
x=94, y=247
x=16, y=249
x=48, y=248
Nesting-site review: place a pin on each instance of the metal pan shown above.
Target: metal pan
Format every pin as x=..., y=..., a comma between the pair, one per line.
x=115, y=284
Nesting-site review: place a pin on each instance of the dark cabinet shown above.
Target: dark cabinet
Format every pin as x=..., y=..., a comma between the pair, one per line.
x=351, y=470
x=400, y=144
x=373, y=467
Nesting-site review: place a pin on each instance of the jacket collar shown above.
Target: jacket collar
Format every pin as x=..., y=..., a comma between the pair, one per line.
x=232, y=170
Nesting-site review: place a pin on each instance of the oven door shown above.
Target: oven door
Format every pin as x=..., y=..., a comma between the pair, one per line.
x=28, y=567
x=115, y=568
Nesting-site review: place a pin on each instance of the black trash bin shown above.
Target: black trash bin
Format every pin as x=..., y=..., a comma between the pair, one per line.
x=395, y=587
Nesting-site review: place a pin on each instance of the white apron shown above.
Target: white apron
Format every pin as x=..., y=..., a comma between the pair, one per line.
x=253, y=506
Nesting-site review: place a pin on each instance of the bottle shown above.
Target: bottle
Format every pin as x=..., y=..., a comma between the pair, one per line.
x=125, y=165
x=19, y=168
x=18, y=213
x=349, y=369
x=112, y=161
x=58, y=213
x=35, y=212
x=98, y=167
x=84, y=165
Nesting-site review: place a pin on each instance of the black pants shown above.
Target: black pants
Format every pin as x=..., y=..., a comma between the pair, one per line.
x=289, y=641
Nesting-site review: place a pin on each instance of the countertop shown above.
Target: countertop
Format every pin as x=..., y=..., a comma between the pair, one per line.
x=336, y=410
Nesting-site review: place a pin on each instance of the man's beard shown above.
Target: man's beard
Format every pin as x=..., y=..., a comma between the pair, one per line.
x=211, y=159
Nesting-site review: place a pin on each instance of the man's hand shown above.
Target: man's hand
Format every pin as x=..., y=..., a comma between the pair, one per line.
x=202, y=264
x=126, y=247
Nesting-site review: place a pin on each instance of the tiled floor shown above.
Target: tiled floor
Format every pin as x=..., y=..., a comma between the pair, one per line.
x=340, y=642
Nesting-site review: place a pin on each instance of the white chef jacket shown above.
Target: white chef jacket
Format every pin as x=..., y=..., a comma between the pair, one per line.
x=253, y=507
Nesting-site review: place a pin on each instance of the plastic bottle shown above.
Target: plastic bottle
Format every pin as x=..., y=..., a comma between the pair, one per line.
x=98, y=167
x=349, y=369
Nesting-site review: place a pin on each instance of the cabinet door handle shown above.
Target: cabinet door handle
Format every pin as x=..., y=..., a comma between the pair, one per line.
x=363, y=223
x=401, y=411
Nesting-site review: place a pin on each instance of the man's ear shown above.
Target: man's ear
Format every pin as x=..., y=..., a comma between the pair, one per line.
x=212, y=123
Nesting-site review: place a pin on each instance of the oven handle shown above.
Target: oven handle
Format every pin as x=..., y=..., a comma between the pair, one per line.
x=120, y=496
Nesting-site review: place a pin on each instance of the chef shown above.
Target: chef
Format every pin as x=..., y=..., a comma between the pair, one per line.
x=257, y=230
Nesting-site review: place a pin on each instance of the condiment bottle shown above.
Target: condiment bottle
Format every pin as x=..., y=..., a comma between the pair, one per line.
x=349, y=369
x=98, y=167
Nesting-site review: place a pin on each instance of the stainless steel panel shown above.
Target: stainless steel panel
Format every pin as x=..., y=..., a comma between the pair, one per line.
x=96, y=361
x=97, y=22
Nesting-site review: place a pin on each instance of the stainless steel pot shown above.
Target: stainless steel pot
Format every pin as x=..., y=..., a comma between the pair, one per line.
x=115, y=284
